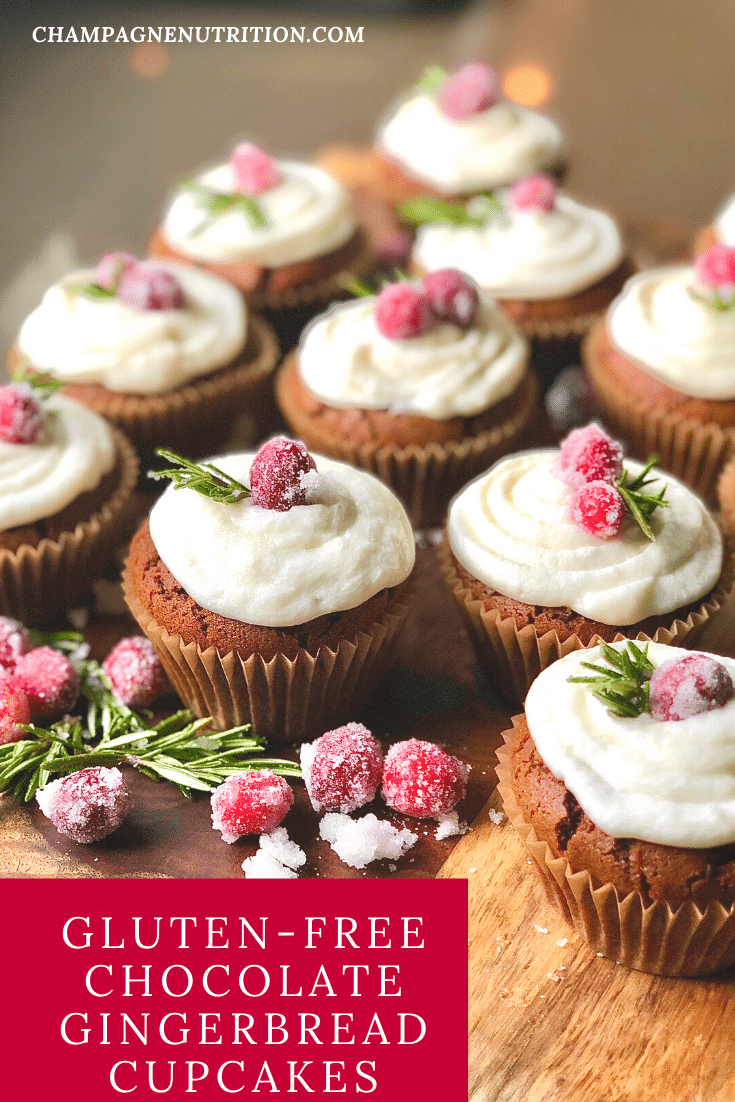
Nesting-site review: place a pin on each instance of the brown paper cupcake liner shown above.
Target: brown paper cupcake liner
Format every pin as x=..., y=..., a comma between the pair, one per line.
x=285, y=700
x=425, y=478
x=38, y=583
x=685, y=941
x=516, y=656
x=726, y=496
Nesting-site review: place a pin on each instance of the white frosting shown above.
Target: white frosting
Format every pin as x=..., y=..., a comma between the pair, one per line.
x=527, y=254
x=494, y=147
x=725, y=223
x=103, y=341
x=280, y=569
x=670, y=781
x=512, y=529
x=446, y=372
x=308, y=214
x=661, y=321
x=75, y=449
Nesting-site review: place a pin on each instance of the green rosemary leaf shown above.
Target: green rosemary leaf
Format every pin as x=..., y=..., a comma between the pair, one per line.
x=217, y=203
x=66, y=641
x=205, y=479
x=431, y=79
x=639, y=504
x=422, y=210
x=44, y=384
x=622, y=685
x=91, y=290
x=360, y=289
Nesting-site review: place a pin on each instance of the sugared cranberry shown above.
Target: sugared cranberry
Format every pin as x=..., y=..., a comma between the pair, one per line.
x=589, y=455
x=111, y=268
x=21, y=416
x=88, y=805
x=342, y=769
x=537, y=192
x=135, y=672
x=14, y=641
x=403, y=311
x=254, y=170
x=250, y=803
x=715, y=268
x=684, y=687
x=276, y=474
x=452, y=296
x=421, y=779
x=599, y=509
x=14, y=709
x=472, y=89
x=147, y=287
x=49, y=681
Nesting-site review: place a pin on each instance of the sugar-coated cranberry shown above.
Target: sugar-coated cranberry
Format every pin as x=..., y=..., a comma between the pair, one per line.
x=715, y=268
x=276, y=474
x=537, y=192
x=342, y=769
x=88, y=805
x=254, y=170
x=21, y=416
x=111, y=268
x=250, y=803
x=686, y=686
x=598, y=508
x=136, y=672
x=14, y=710
x=452, y=295
x=472, y=89
x=147, y=287
x=589, y=455
x=421, y=779
x=403, y=311
x=14, y=641
x=50, y=682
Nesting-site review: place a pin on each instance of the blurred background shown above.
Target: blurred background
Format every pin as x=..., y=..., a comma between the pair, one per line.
x=94, y=136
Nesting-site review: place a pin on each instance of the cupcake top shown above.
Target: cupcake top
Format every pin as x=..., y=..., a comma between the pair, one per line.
x=447, y=367
x=678, y=324
x=259, y=210
x=518, y=529
x=529, y=243
x=145, y=329
x=279, y=564
x=459, y=137
x=725, y=223
x=65, y=453
x=665, y=780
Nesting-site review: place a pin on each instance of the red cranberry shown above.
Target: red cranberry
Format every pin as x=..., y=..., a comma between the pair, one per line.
x=250, y=803
x=452, y=295
x=14, y=641
x=49, y=681
x=403, y=311
x=135, y=672
x=277, y=472
x=589, y=455
x=599, y=509
x=716, y=267
x=471, y=90
x=421, y=779
x=147, y=287
x=21, y=416
x=111, y=268
x=88, y=805
x=342, y=769
x=686, y=686
x=537, y=192
x=254, y=170
x=14, y=710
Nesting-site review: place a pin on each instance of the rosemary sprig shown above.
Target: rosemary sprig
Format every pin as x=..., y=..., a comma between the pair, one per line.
x=91, y=290
x=641, y=505
x=471, y=212
x=623, y=685
x=44, y=384
x=431, y=79
x=360, y=288
x=217, y=203
x=716, y=301
x=65, y=641
x=205, y=478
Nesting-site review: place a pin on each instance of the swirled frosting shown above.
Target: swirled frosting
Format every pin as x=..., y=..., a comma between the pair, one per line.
x=308, y=215
x=663, y=322
x=75, y=449
x=725, y=223
x=527, y=254
x=671, y=781
x=512, y=529
x=494, y=147
x=280, y=569
x=446, y=372
x=103, y=341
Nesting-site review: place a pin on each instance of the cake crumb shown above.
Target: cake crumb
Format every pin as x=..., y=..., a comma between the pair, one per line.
x=540, y=929
x=496, y=817
x=562, y=942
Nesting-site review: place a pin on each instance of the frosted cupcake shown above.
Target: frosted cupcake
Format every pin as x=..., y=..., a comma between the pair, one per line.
x=422, y=385
x=167, y=353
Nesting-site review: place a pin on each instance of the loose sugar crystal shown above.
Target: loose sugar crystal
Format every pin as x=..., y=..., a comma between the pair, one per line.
x=278, y=845
x=357, y=842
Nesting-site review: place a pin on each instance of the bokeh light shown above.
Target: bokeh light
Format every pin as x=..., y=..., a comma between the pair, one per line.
x=527, y=84
x=149, y=60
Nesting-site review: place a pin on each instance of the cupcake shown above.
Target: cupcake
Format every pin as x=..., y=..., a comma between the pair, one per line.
x=663, y=365
x=423, y=385
x=454, y=135
x=619, y=779
x=550, y=551
x=167, y=353
x=282, y=232
x=65, y=478
x=277, y=604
